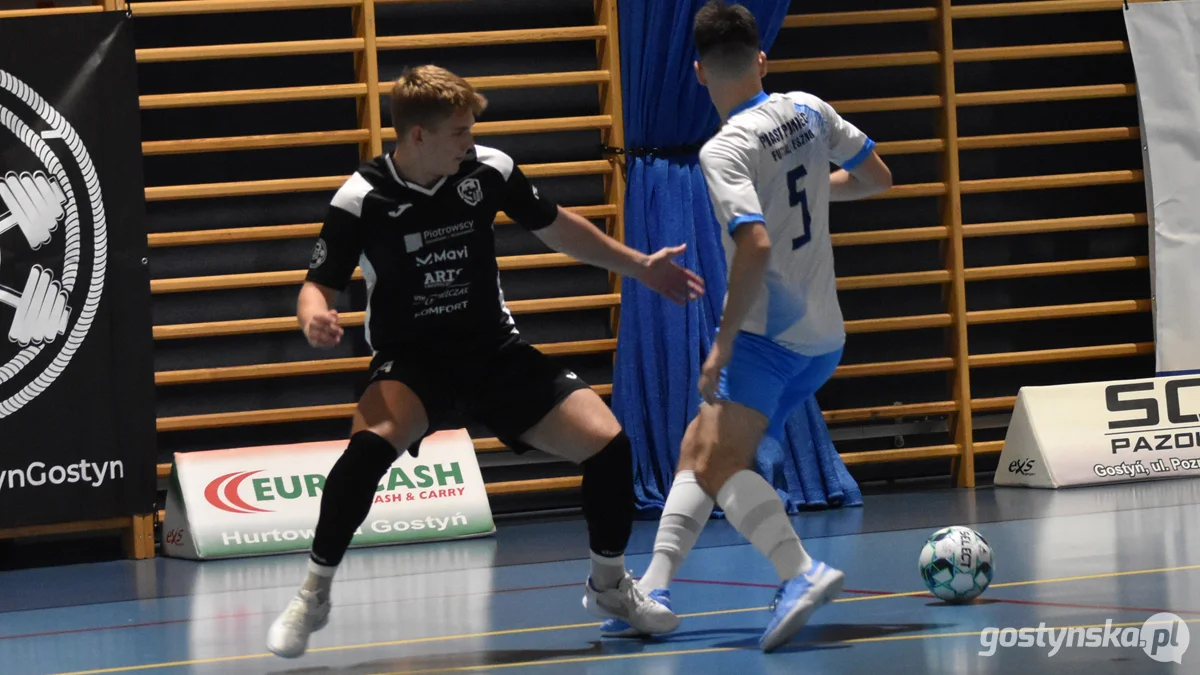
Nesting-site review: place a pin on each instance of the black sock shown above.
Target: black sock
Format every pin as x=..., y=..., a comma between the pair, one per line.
x=349, y=493
x=608, y=499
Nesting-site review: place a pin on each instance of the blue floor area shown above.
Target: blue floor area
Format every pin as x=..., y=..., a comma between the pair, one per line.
x=511, y=603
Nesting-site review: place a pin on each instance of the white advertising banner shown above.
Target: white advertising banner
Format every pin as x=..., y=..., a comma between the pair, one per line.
x=1166, y=58
x=1103, y=432
x=264, y=500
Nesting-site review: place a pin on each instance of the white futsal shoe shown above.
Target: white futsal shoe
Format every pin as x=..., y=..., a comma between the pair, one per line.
x=627, y=603
x=305, y=615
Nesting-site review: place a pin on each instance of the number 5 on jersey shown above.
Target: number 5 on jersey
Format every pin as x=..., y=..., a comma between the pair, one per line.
x=796, y=195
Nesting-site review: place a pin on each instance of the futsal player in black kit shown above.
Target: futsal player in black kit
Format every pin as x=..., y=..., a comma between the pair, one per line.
x=418, y=221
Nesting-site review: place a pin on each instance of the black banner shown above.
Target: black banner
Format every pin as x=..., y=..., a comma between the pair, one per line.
x=77, y=434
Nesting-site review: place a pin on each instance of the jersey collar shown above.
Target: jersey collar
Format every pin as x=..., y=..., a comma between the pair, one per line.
x=760, y=99
x=429, y=192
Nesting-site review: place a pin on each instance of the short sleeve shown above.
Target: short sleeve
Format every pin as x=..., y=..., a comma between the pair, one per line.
x=727, y=171
x=848, y=145
x=339, y=245
x=525, y=205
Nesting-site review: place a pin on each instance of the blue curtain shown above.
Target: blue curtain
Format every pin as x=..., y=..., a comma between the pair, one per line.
x=661, y=345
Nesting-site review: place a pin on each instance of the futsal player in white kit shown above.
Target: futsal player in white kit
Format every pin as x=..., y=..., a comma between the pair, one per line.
x=781, y=332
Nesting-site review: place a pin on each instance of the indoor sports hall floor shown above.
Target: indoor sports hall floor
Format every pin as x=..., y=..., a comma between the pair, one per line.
x=511, y=603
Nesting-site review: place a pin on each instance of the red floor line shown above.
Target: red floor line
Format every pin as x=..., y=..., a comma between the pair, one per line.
x=1036, y=603
x=219, y=617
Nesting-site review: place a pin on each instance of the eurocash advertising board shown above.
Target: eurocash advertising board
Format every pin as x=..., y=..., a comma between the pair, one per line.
x=265, y=500
x=1103, y=432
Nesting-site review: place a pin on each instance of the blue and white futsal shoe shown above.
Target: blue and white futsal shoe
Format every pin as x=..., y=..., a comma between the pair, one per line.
x=797, y=599
x=627, y=603
x=618, y=628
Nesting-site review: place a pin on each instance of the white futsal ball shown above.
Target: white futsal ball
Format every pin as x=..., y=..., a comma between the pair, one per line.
x=956, y=564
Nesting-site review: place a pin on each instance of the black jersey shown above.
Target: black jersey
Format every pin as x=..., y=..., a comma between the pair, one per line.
x=428, y=255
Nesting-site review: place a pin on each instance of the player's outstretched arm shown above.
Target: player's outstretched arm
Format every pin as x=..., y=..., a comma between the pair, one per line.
x=747, y=274
x=318, y=321
x=869, y=178
x=573, y=235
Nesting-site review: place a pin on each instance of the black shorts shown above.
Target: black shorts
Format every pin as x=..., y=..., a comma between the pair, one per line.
x=508, y=387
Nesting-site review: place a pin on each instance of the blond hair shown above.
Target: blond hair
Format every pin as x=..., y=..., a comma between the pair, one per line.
x=427, y=95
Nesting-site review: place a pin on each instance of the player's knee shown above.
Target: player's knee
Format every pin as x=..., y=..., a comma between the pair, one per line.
x=613, y=462
x=398, y=436
x=362, y=464
x=379, y=451
x=604, y=439
x=711, y=473
x=598, y=426
x=709, y=478
x=608, y=475
x=393, y=412
x=579, y=428
x=400, y=433
x=607, y=426
x=686, y=463
x=716, y=465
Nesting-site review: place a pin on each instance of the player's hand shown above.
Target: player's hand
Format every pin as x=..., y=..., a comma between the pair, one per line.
x=710, y=372
x=662, y=275
x=322, y=329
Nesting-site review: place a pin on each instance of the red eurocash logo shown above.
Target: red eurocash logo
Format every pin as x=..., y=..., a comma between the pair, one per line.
x=397, y=486
x=223, y=493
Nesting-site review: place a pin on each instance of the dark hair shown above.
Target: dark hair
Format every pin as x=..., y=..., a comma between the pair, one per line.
x=726, y=37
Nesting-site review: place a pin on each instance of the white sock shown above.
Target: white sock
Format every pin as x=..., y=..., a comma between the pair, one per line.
x=684, y=515
x=607, y=572
x=755, y=510
x=319, y=580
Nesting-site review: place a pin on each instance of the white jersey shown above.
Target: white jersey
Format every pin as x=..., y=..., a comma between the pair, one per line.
x=769, y=163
